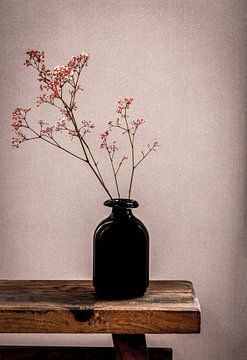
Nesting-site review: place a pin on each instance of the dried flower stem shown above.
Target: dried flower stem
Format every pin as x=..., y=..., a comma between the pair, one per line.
x=131, y=140
x=114, y=172
x=53, y=84
x=53, y=142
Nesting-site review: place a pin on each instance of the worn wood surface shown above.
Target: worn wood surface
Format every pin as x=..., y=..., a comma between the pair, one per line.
x=130, y=347
x=71, y=306
x=72, y=353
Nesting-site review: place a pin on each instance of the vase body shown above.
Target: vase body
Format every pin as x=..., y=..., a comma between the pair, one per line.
x=121, y=253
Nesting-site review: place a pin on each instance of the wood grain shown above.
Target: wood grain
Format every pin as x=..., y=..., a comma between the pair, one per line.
x=71, y=306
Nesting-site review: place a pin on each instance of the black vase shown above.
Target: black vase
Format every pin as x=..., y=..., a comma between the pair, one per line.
x=121, y=253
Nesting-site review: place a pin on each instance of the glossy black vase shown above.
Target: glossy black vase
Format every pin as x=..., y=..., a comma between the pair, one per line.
x=121, y=253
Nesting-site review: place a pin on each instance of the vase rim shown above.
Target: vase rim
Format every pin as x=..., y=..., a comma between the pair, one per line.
x=121, y=203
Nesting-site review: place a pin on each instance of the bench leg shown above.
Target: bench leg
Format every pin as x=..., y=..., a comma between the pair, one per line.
x=130, y=347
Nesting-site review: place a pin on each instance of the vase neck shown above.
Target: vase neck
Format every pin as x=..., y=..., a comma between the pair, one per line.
x=121, y=208
x=121, y=213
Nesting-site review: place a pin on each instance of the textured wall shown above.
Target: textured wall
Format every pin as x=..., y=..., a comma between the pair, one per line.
x=184, y=63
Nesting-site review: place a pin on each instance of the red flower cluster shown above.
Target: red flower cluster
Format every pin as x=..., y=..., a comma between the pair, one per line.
x=34, y=57
x=86, y=127
x=54, y=80
x=111, y=148
x=104, y=136
x=124, y=104
x=45, y=98
x=76, y=61
x=18, y=118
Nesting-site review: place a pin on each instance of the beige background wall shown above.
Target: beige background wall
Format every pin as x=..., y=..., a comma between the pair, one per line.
x=184, y=63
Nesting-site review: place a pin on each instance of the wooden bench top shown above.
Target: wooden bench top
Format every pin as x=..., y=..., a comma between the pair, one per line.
x=71, y=306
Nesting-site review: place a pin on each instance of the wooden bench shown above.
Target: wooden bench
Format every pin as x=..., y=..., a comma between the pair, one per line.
x=71, y=306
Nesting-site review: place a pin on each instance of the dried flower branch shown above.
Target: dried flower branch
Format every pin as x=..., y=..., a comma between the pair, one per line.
x=59, y=88
x=130, y=128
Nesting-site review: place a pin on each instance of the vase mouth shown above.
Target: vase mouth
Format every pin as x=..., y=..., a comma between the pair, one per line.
x=121, y=203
